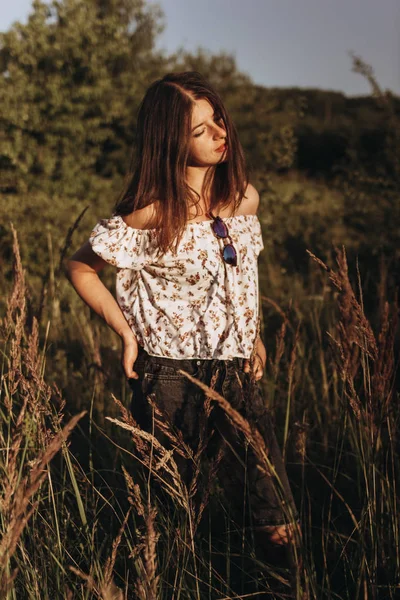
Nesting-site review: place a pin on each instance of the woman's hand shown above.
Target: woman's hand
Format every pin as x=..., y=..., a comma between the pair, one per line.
x=260, y=359
x=129, y=355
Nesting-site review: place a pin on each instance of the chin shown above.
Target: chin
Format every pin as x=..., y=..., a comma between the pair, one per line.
x=210, y=162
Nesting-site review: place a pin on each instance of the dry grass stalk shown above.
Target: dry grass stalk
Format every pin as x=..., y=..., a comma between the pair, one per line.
x=68, y=240
x=145, y=550
x=163, y=422
x=354, y=331
x=146, y=586
x=293, y=357
x=355, y=325
x=24, y=373
x=170, y=479
x=276, y=306
x=18, y=513
x=17, y=302
x=250, y=432
x=90, y=583
x=6, y=582
x=212, y=473
x=11, y=474
x=106, y=590
x=127, y=418
x=14, y=323
x=205, y=435
x=68, y=594
x=27, y=406
x=134, y=493
x=92, y=344
x=41, y=396
x=109, y=566
x=300, y=431
x=383, y=376
x=111, y=592
x=356, y=343
x=280, y=348
x=165, y=469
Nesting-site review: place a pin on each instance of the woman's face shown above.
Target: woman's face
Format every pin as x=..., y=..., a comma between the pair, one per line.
x=208, y=136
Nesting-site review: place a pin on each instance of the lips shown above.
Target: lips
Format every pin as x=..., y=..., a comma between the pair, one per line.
x=221, y=148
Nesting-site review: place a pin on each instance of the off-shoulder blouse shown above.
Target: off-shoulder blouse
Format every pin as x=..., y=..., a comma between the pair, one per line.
x=188, y=303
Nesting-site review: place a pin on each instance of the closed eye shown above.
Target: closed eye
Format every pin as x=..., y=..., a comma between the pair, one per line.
x=217, y=119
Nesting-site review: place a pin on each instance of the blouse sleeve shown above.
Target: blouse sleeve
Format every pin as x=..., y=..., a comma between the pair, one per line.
x=257, y=238
x=120, y=245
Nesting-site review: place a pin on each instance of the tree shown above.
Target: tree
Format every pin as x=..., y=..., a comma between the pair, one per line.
x=69, y=80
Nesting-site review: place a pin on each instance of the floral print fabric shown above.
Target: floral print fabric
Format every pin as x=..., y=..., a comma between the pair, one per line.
x=188, y=304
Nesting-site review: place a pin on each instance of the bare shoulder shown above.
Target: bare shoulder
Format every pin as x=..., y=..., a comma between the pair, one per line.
x=143, y=218
x=250, y=201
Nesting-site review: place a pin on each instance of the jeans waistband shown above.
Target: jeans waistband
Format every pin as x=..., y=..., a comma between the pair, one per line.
x=187, y=364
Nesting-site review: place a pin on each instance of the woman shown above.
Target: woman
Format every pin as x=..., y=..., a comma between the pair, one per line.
x=185, y=238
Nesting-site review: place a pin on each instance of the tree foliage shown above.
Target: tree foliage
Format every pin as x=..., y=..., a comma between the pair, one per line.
x=71, y=78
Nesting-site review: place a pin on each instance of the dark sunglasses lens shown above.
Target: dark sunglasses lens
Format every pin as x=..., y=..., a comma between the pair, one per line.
x=229, y=255
x=219, y=228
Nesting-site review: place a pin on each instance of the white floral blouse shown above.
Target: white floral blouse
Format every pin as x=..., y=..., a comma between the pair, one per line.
x=188, y=304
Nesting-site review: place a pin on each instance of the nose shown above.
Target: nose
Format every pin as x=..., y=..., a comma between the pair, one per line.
x=219, y=131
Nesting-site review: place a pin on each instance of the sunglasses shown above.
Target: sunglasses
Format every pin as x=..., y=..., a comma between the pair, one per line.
x=221, y=230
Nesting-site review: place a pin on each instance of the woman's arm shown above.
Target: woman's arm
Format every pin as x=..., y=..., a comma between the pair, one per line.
x=260, y=360
x=83, y=268
x=250, y=206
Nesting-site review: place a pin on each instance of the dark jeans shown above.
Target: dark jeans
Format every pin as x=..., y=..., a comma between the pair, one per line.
x=184, y=407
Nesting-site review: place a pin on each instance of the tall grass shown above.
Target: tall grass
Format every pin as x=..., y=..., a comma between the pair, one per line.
x=106, y=513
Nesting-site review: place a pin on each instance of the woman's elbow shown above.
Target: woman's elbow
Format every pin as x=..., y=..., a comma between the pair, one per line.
x=84, y=261
x=75, y=269
x=70, y=269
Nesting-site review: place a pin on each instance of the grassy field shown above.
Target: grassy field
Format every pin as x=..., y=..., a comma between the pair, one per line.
x=81, y=517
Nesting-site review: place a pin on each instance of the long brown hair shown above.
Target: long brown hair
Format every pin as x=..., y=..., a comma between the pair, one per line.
x=157, y=169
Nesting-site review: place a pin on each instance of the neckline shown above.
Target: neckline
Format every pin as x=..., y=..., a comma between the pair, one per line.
x=189, y=223
x=222, y=219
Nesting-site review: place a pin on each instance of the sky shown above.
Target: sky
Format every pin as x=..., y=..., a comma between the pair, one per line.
x=282, y=43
